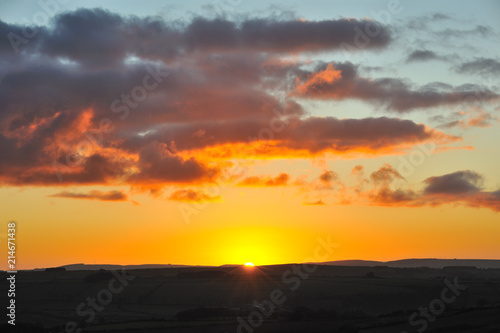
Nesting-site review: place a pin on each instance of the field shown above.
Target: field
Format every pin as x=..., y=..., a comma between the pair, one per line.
x=283, y=298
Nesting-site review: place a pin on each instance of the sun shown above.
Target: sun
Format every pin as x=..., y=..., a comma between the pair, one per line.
x=249, y=264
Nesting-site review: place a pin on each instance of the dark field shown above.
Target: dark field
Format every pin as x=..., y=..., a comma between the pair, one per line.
x=284, y=298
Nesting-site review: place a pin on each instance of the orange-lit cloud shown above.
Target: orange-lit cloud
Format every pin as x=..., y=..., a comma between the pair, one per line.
x=460, y=187
x=391, y=93
x=327, y=76
x=109, y=117
x=93, y=195
x=258, y=181
x=182, y=154
x=388, y=188
x=476, y=118
x=189, y=195
x=297, y=136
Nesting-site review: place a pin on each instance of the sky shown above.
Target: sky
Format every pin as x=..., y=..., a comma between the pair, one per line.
x=229, y=131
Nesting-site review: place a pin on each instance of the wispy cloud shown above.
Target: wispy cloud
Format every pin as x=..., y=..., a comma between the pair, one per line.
x=93, y=195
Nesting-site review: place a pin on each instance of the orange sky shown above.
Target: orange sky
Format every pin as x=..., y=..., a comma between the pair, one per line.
x=210, y=141
x=261, y=226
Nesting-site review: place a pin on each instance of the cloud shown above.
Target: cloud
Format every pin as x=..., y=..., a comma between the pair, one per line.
x=459, y=182
x=280, y=36
x=386, y=174
x=328, y=176
x=107, y=37
x=314, y=203
x=102, y=99
x=422, y=55
x=326, y=181
x=483, y=119
x=190, y=195
x=476, y=117
x=439, y=17
x=388, y=197
x=167, y=155
x=480, y=66
x=313, y=135
x=459, y=28
x=95, y=169
x=424, y=20
x=459, y=188
x=158, y=164
x=328, y=76
x=357, y=170
x=393, y=94
x=383, y=180
x=477, y=30
x=266, y=181
x=93, y=195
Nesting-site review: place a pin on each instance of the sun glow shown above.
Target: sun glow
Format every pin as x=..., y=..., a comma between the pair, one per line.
x=249, y=264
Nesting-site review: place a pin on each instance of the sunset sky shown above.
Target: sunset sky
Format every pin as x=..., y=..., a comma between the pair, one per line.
x=232, y=131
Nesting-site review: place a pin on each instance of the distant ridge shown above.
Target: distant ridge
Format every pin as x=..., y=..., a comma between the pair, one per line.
x=96, y=267
x=369, y=263
x=404, y=263
x=431, y=263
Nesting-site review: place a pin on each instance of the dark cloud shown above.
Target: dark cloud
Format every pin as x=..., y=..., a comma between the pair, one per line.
x=481, y=66
x=104, y=37
x=341, y=81
x=422, y=55
x=95, y=169
x=313, y=134
x=454, y=183
x=343, y=135
x=101, y=37
x=309, y=35
x=217, y=85
x=158, y=164
x=460, y=187
x=93, y=195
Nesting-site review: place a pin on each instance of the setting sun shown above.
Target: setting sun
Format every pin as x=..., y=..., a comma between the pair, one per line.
x=249, y=264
